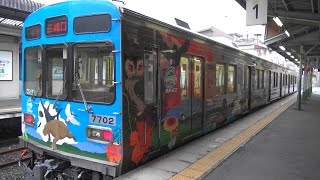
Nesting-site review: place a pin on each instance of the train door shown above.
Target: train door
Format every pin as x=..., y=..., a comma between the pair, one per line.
x=281, y=79
x=196, y=94
x=191, y=84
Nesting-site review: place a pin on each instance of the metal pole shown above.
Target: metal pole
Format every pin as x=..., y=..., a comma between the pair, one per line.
x=300, y=78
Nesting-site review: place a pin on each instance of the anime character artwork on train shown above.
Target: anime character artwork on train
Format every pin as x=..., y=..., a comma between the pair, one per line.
x=107, y=89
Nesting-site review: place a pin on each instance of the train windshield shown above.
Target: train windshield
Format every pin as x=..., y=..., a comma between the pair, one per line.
x=33, y=71
x=93, y=73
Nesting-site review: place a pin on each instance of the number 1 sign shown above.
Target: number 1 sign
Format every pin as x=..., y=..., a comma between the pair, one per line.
x=257, y=11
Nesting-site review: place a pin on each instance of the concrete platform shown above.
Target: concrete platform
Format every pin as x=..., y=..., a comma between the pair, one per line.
x=196, y=159
x=10, y=108
x=287, y=149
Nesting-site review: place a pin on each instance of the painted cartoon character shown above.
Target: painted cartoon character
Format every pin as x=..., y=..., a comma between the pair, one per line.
x=51, y=127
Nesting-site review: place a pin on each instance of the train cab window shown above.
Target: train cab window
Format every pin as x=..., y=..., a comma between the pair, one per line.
x=220, y=83
x=231, y=79
x=33, y=71
x=56, y=61
x=184, y=80
x=93, y=78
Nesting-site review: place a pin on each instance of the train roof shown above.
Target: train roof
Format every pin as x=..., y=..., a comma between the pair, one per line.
x=200, y=36
x=121, y=8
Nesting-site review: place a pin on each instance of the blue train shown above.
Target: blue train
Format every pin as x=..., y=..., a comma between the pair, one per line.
x=106, y=89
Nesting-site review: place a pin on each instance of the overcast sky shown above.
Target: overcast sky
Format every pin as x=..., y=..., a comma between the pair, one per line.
x=226, y=15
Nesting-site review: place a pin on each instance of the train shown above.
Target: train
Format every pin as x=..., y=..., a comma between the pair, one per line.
x=107, y=89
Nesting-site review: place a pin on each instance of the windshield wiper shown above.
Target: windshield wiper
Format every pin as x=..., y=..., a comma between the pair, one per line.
x=88, y=108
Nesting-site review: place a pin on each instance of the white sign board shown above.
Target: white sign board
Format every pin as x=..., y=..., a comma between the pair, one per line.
x=6, y=66
x=257, y=11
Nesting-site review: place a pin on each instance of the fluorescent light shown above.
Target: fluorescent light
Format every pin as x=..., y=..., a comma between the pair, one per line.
x=278, y=21
x=287, y=33
x=282, y=48
x=289, y=53
x=296, y=59
x=292, y=56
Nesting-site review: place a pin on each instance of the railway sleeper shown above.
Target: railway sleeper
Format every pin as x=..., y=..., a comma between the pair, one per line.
x=48, y=168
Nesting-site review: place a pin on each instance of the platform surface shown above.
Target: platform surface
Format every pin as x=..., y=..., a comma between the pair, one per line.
x=10, y=108
x=197, y=158
x=288, y=148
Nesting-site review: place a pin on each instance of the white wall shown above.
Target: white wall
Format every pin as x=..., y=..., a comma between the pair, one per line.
x=11, y=89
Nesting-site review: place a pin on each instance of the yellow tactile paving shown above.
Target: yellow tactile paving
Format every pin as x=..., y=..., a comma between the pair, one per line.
x=212, y=159
x=181, y=177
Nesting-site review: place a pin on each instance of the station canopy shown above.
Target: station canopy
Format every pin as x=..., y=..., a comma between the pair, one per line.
x=301, y=20
x=14, y=12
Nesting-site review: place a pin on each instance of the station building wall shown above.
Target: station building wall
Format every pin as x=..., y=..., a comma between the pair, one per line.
x=11, y=89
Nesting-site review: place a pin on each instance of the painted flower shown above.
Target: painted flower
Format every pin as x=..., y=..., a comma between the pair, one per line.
x=170, y=124
x=114, y=153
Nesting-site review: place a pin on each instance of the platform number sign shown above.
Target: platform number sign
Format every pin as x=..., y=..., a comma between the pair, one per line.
x=257, y=11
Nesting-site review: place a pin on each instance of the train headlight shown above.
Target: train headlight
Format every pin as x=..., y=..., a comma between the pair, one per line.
x=100, y=134
x=29, y=119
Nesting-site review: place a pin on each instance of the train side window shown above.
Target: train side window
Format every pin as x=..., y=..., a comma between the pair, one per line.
x=284, y=80
x=184, y=80
x=231, y=79
x=258, y=78
x=261, y=78
x=247, y=77
x=197, y=76
x=274, y=79
x=277, y=79
x=220, y=83
x=149, y=77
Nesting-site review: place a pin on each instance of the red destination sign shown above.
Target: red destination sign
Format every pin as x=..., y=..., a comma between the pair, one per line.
x=56, y=26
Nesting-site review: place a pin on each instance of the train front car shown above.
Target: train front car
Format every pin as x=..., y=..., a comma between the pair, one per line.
x=72, y=92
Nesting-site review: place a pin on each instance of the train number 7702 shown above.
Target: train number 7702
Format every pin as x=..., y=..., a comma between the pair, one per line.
x=105, y=120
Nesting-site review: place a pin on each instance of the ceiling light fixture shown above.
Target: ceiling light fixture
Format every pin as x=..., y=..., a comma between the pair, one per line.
x=282, y=48
x=289, y=53
x=287, y=33
x=278, y=21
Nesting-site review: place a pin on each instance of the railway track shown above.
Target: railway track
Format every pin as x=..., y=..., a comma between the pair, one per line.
x=11, y=156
